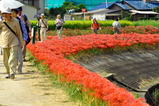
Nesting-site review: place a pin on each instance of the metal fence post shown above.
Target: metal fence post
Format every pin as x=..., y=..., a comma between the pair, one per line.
x=33, y=35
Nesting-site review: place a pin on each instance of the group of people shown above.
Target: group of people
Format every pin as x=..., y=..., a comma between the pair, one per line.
x=15, y=29
x=42, y=25
x=116, y=26
x=14, y=35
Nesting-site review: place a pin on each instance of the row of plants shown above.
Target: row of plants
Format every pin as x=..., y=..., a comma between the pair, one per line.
x=52, y=53
x=146, y=22
x=108, y=30
x=83, y=24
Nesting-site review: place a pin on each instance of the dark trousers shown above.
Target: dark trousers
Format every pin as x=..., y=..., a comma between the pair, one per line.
x=39, y=35
x=95, y=31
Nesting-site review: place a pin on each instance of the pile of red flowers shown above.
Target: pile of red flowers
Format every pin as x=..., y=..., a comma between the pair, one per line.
x=52, y=53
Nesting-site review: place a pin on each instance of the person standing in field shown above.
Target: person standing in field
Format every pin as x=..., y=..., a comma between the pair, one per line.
x=95, y=26
x=116, y=26
x=10, y=38
x=59, y=23
x=27, y=24
x=43, y=24
x=25, y=37
x=38, y=28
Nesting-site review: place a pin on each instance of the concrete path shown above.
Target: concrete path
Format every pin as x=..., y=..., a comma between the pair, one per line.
x=30, y=89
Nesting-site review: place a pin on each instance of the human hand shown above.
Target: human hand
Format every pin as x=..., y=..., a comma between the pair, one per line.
x=24, y=42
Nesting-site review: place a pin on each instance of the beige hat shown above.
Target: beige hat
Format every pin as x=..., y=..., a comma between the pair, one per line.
x=6, y=10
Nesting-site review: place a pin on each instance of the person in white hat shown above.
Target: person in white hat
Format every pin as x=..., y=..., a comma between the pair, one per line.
x=59, y=23
x=10, y=38
x=43, y=24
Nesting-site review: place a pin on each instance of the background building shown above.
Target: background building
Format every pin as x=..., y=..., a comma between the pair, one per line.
x=32, y=7
x=88, y=3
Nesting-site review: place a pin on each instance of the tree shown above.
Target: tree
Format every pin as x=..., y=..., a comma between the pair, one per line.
x=46, y=12
x=80, y=6
x=69, y=5
x=51, y=11
x=65, y=4
x=156, y=9
x=126, y=15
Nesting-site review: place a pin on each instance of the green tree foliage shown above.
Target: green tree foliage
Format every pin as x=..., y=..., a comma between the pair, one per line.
x=80, y=6
x=125, y=15
x=53, y=12
x=69, y=5
x=156, y=9
x=46, y=12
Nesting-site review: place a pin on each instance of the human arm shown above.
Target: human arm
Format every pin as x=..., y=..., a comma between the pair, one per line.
x=98, y=24
x=47, y=24
x=56, y=21
x=19, y=34
x=62, y=21
x=92, y=26
x=28, y=23
x=24, y=31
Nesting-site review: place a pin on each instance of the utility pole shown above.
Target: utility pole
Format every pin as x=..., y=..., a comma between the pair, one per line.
x=46, y=3
x=106, y=4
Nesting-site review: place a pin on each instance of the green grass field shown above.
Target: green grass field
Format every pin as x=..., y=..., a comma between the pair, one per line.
x=147, y=22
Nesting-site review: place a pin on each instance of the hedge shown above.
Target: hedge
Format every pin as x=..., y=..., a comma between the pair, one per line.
x=84, y=24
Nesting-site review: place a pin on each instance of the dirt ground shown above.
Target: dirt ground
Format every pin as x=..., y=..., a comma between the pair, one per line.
x=30, y=88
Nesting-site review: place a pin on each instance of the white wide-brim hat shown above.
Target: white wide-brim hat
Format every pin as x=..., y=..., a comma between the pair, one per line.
x=42, y=14
x=6, y=10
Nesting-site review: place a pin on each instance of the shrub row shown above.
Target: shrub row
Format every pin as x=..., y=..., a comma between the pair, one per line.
x=84, y=24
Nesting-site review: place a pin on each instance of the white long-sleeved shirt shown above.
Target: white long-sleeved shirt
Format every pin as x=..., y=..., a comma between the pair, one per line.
x=116, y=24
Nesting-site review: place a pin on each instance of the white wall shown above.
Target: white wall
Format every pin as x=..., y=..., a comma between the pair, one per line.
x=30, y=11
x=41, y=6
x=99, y=16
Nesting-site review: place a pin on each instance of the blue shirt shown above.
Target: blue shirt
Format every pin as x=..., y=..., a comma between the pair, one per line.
x=23, y=29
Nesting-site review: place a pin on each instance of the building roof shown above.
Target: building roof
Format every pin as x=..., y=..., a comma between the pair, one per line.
x=137, y=4
x=109, y=4
x=101, y=6
x=123, y=6
x=141, y=5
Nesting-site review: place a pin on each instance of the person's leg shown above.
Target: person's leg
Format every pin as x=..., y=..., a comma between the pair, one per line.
x=20, y=60
x=58, y=34
x=13, y=60
x=45, y=34
x=39, y=34
x=95, y=31
x=117, y=31
x=24, y=52
x=6, y=55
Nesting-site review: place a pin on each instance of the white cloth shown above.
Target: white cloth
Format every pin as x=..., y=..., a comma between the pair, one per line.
x=116, y=24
